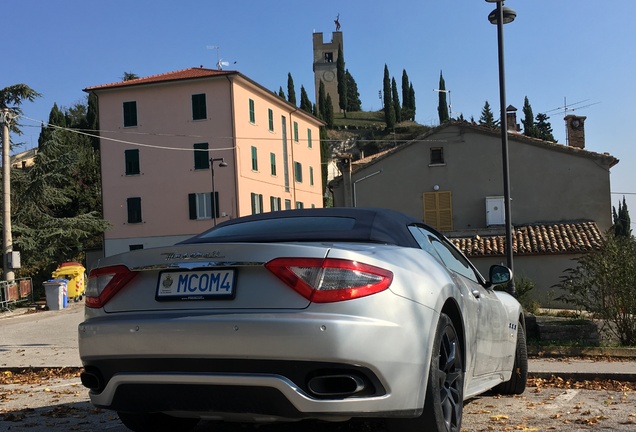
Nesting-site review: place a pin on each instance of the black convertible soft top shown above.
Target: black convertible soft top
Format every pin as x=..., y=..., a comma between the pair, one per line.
x=346, y=224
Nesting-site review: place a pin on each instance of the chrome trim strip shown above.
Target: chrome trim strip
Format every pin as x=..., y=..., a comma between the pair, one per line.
x=188, y=265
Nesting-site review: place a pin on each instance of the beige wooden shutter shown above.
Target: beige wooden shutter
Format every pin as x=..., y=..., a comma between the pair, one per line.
x=438, y=210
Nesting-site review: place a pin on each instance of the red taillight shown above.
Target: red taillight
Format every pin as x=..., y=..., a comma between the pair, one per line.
x=104, y=283
x=330, y=280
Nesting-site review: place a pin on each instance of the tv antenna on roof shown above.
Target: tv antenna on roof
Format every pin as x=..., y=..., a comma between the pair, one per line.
x=219, y=61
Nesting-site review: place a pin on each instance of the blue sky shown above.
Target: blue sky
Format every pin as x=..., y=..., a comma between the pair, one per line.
x=579, y=53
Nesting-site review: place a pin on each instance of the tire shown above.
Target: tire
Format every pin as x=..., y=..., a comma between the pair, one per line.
x=156, y=422
x=517, y=383
x=444, y=402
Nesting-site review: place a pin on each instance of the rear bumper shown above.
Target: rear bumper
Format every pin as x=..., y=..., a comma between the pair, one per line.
x=259, y=365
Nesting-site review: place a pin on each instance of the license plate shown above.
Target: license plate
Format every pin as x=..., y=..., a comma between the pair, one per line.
x=196, y=285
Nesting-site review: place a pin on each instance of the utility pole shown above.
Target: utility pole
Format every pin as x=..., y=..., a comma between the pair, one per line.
x=7, y=243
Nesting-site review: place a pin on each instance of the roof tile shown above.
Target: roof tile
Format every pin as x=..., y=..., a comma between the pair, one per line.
x=572, y=237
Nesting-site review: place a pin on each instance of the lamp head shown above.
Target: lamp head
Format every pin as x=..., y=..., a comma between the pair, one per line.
x=509, y=16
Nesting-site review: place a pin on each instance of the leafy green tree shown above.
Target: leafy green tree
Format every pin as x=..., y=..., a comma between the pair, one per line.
x=56, y=120
x=442, y=107
x=342, y=81
x=305, y=103
x=622, y=221
x=281, y=93
x=353, y=96
x=58, y=213
x=604, y=284
x=529, y=129
x=487, y=118
x=396, y=101
x=543, y=127
x=291, y=91
x=12, y=97
x=389, y=108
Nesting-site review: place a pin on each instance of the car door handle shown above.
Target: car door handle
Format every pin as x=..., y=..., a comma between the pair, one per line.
x=476, y=293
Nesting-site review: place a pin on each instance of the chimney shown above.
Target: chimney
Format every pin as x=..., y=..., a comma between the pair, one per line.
x=575, y=127
x=511, y=119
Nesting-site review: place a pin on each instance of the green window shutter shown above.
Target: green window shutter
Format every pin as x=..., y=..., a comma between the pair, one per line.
x=295, y=131
x=130, y=114
x=199, y=109
x=192, y=205
x=132, y=161
x=272, y=162
x=309, y=144
x=311, y=176
x=254, y=159
x=134, y=210
x=270, y=115
x=252, y=113
x=201, y=156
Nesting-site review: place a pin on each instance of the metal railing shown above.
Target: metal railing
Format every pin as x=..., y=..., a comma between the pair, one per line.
x=17, y=291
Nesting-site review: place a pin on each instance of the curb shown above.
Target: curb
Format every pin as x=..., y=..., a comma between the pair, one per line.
x=570, y=351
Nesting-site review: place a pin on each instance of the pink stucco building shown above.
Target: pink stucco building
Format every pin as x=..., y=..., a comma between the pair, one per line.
x=159, y=134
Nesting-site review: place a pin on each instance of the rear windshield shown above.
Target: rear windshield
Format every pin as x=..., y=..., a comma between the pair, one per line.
x=296, y=227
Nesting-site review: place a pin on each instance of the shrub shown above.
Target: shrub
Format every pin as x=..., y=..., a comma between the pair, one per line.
x=604, y=284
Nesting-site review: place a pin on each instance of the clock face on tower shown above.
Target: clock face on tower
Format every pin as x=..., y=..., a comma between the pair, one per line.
x=575, y=123
x=328, y=76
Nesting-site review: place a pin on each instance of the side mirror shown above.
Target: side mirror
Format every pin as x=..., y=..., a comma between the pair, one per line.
x=500, y=275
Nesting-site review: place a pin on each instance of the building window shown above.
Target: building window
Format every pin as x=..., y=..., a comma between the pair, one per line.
x=328, y=57
x=270, y=118
x=309, y=144
x=134, y=210
x=438, y=210
x=132, y=161
x=274, y=203
x=287, y=204
x=272, y=163
x=299, y=205
x=298, y=172
x=254, y=159
x=295, y=131
x=200, y=205
x=130, y=114
x=257, y=203
x=133, y=247
x=311, y=176
x=199, y=110
x=252, y=114
x=437, y=156
x=201, y=156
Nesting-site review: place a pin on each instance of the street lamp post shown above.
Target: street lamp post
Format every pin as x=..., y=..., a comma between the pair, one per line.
x=500, y=16
x=213, y=198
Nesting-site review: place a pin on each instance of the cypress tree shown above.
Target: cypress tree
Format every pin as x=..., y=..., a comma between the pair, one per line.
x=281, y=93
x=529, y=129
x=389, y=109
x=322, y=101
x=329, y=112
x=412, y=101
x=442, y=108
x=291, y=92
x=353, y=96
x=622, y=222
x=406, y=103
x=396, y=101
x=305, y=103
x=342, y=81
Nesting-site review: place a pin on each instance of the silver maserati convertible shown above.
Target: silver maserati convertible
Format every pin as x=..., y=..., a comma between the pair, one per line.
x=328, y=314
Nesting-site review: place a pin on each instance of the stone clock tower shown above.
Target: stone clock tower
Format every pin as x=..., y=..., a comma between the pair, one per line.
x=325, y=65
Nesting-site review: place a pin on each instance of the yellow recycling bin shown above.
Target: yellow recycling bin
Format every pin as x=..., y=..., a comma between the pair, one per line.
x=75, y=274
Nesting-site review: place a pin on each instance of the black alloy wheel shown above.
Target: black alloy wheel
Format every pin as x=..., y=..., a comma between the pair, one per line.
x=445, y=390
